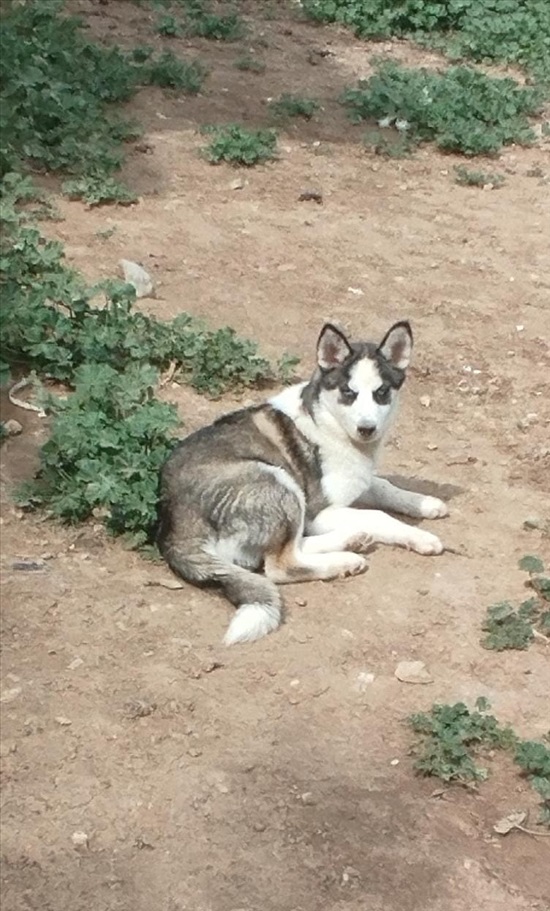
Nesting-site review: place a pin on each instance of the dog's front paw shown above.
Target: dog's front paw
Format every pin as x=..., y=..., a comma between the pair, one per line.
x=352, y=565
x=425, y=543
x=360, y=543
x=432, y=508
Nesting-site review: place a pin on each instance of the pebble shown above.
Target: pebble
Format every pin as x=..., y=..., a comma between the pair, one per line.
x=11, y=694
x=79, y=839
x=413, y=672
x=12, y=427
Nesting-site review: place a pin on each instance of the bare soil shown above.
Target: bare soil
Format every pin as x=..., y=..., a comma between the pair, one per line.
x=278, y=777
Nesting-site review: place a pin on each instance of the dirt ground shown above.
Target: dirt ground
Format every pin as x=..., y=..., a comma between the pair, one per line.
x=278, y=776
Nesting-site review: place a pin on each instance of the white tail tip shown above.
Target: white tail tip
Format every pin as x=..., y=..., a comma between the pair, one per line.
x=252, y=621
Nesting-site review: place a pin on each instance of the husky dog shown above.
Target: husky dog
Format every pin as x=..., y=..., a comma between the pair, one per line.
x=279, y=487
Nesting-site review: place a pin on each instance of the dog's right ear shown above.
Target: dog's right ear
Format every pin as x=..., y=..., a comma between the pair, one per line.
x=332, y=348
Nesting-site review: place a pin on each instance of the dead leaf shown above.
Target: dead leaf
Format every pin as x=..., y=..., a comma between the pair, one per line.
x=507, y=823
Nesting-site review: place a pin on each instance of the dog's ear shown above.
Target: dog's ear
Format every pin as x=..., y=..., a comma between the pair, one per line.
x=396, y=346
x=332, y=347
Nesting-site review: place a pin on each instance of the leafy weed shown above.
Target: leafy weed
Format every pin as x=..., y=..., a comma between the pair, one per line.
x=249, y=64
x=512, y=31
x=239, y=146
x=467, y=177
x=289, y=105
x=95, y=191
x=461, y=110
x=451, y=737
x=168, y=71
x=515, y=628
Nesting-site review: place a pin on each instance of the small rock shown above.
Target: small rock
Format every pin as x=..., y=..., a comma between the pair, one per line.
x=76, y=662
x=532, y=522
x=307, y=798
x=238, y=184
x=425, y=401
x=12, y=427
x=11, y=694
x=135, y=275
x=139, y=708
x=364, y=680
x=413, y=672
x=311, y=196
x=79, y=839
x=432, y=446
x=394, y=762
x=64, y=722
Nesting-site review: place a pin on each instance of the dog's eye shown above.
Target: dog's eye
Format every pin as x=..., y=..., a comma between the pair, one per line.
x=382, y=395
x=348, y=394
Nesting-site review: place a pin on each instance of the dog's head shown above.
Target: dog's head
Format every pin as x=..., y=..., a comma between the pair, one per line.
x=358, y=382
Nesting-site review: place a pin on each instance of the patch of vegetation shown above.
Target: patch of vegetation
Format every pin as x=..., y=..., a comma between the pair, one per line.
x=199, y=20
x=460, y=110
x=289, y=105
x=168, y=71
x=204, y=24
x=250, y=64
x=467, y=177
x=240, y=146
x=109, y=439
x=451, y=738
x=511, y=31
x=515, y=628
x=534, y=760
x=169, y=27
x=57, y=91
x=95, y=191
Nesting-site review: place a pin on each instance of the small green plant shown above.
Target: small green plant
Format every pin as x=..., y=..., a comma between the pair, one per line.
x=239, y=146
x=168, y=71
x=451, y=737
x=205, y=24
x=515, y=628
x=467, y=177
x=96, y=191
x=461, y=110
x=534, y=760
x=250, y=64
x=294, y=106
x=169, y=27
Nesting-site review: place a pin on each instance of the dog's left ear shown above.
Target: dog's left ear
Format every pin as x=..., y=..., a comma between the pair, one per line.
x=396, y=346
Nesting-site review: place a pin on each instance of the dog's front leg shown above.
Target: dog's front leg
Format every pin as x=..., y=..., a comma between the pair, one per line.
x=383, y=529
x=382, y=494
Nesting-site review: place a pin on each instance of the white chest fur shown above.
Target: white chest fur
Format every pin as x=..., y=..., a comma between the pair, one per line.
x=347, y=470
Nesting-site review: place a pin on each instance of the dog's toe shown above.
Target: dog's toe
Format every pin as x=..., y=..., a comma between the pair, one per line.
x=433, y=508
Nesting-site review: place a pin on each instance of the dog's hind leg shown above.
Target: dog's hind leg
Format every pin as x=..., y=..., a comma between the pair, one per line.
x=382, y=528
x=293, y=564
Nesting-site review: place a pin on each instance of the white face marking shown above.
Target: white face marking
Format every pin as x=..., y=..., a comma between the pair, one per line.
x=364, y=414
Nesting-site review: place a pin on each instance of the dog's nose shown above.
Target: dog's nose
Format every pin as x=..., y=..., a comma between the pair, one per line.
x=366, y=430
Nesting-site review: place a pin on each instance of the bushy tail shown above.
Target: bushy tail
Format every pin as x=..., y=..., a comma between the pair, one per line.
x=257, y=600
